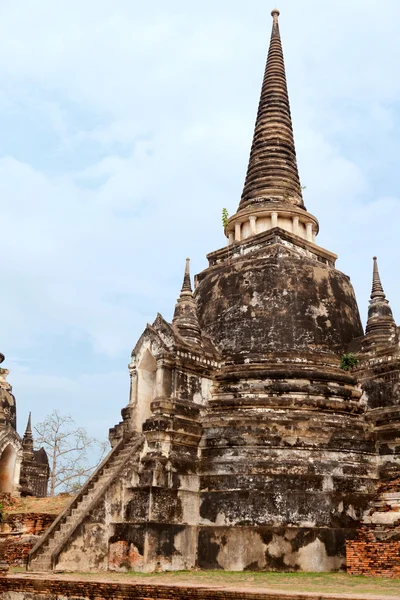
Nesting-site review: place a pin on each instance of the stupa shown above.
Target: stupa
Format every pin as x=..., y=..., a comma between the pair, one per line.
x=245, y=444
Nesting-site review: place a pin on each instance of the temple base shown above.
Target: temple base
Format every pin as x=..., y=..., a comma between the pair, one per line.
x=160, y=547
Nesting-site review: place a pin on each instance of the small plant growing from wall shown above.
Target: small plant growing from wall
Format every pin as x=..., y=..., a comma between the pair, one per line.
x=225, y=220
x=348, y=361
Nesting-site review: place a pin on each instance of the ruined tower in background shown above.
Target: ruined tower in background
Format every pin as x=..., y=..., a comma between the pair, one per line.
x=244, y=444
x=10, y=442
x=35, y=470
x=23, y=470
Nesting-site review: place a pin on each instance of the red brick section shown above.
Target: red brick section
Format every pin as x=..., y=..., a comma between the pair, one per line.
x=97, y=590
x=375, y=559
x=15, y=552
x=123, y=554
x=28, y=523
x=19, y=533
x=376, y=550
x=367, y=556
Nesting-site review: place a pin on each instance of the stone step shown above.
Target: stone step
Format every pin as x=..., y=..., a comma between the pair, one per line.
x=41, y=565
x=67, y=523
x=42, y=559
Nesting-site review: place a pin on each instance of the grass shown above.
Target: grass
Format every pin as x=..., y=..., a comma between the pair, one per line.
x=334, y=583
x=50, y=505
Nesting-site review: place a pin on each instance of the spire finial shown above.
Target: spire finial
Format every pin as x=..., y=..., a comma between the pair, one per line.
x=187, y=285
x=272, y=174
x=377, y=289
x=28, y=430
x=27, y=441
x=275, y=15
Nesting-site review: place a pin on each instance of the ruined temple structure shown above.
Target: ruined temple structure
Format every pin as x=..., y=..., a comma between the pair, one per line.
x=245, y=443
x=23, y=470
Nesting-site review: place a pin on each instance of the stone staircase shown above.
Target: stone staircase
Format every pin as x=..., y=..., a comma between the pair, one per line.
x=44, y=554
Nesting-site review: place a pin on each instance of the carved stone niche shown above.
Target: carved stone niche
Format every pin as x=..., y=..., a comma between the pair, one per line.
x=145, y=389
x=10, y=463
x=150, y=379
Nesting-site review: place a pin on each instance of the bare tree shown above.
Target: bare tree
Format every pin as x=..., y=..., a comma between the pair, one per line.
x=70, y=450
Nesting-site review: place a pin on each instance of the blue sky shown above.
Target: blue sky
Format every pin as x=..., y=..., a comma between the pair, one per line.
x=126, y=129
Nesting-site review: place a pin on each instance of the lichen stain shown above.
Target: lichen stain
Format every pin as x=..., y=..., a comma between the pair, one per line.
x=314, y=558
x=241, y=550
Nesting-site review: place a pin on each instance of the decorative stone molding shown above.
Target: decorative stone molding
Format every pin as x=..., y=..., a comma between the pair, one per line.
x=256, y=220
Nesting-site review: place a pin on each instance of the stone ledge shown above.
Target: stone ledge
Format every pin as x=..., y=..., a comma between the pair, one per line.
x=240, y=250
x=49, y=587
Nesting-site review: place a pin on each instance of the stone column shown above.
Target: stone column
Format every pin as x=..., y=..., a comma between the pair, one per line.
x=238, y=232
x=253, y=220
x=309, y=232
x=17, y=473
x=295, y=225
x=159, y=387
x=231, y=238
x=134, y=382
x=163, y=387
x=274, y=219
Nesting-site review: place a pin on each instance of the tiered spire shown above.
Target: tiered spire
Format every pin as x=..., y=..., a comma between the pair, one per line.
x=380, y=325
x=187, y=284
x=377, y=289
x=272, y=174
x=27, y=441
x=185, y=316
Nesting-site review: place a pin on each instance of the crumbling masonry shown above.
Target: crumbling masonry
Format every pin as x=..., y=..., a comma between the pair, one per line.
x=23, y=470
x=245, y=445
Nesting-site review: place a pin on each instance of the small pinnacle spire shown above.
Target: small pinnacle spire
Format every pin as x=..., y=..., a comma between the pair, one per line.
x=381, y=326
x=272, y=173
x=185, y=315
x=27, y=441
x=28, y=431
x=187, y=285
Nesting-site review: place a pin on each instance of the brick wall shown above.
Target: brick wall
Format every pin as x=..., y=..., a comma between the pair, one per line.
x=26, y=523
x=376, y=559
x=19, y=533
x=376, y=549
x=15, y=552
x=51, y=589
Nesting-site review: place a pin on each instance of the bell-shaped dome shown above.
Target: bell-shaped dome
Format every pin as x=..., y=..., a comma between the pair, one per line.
x=277, y=300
